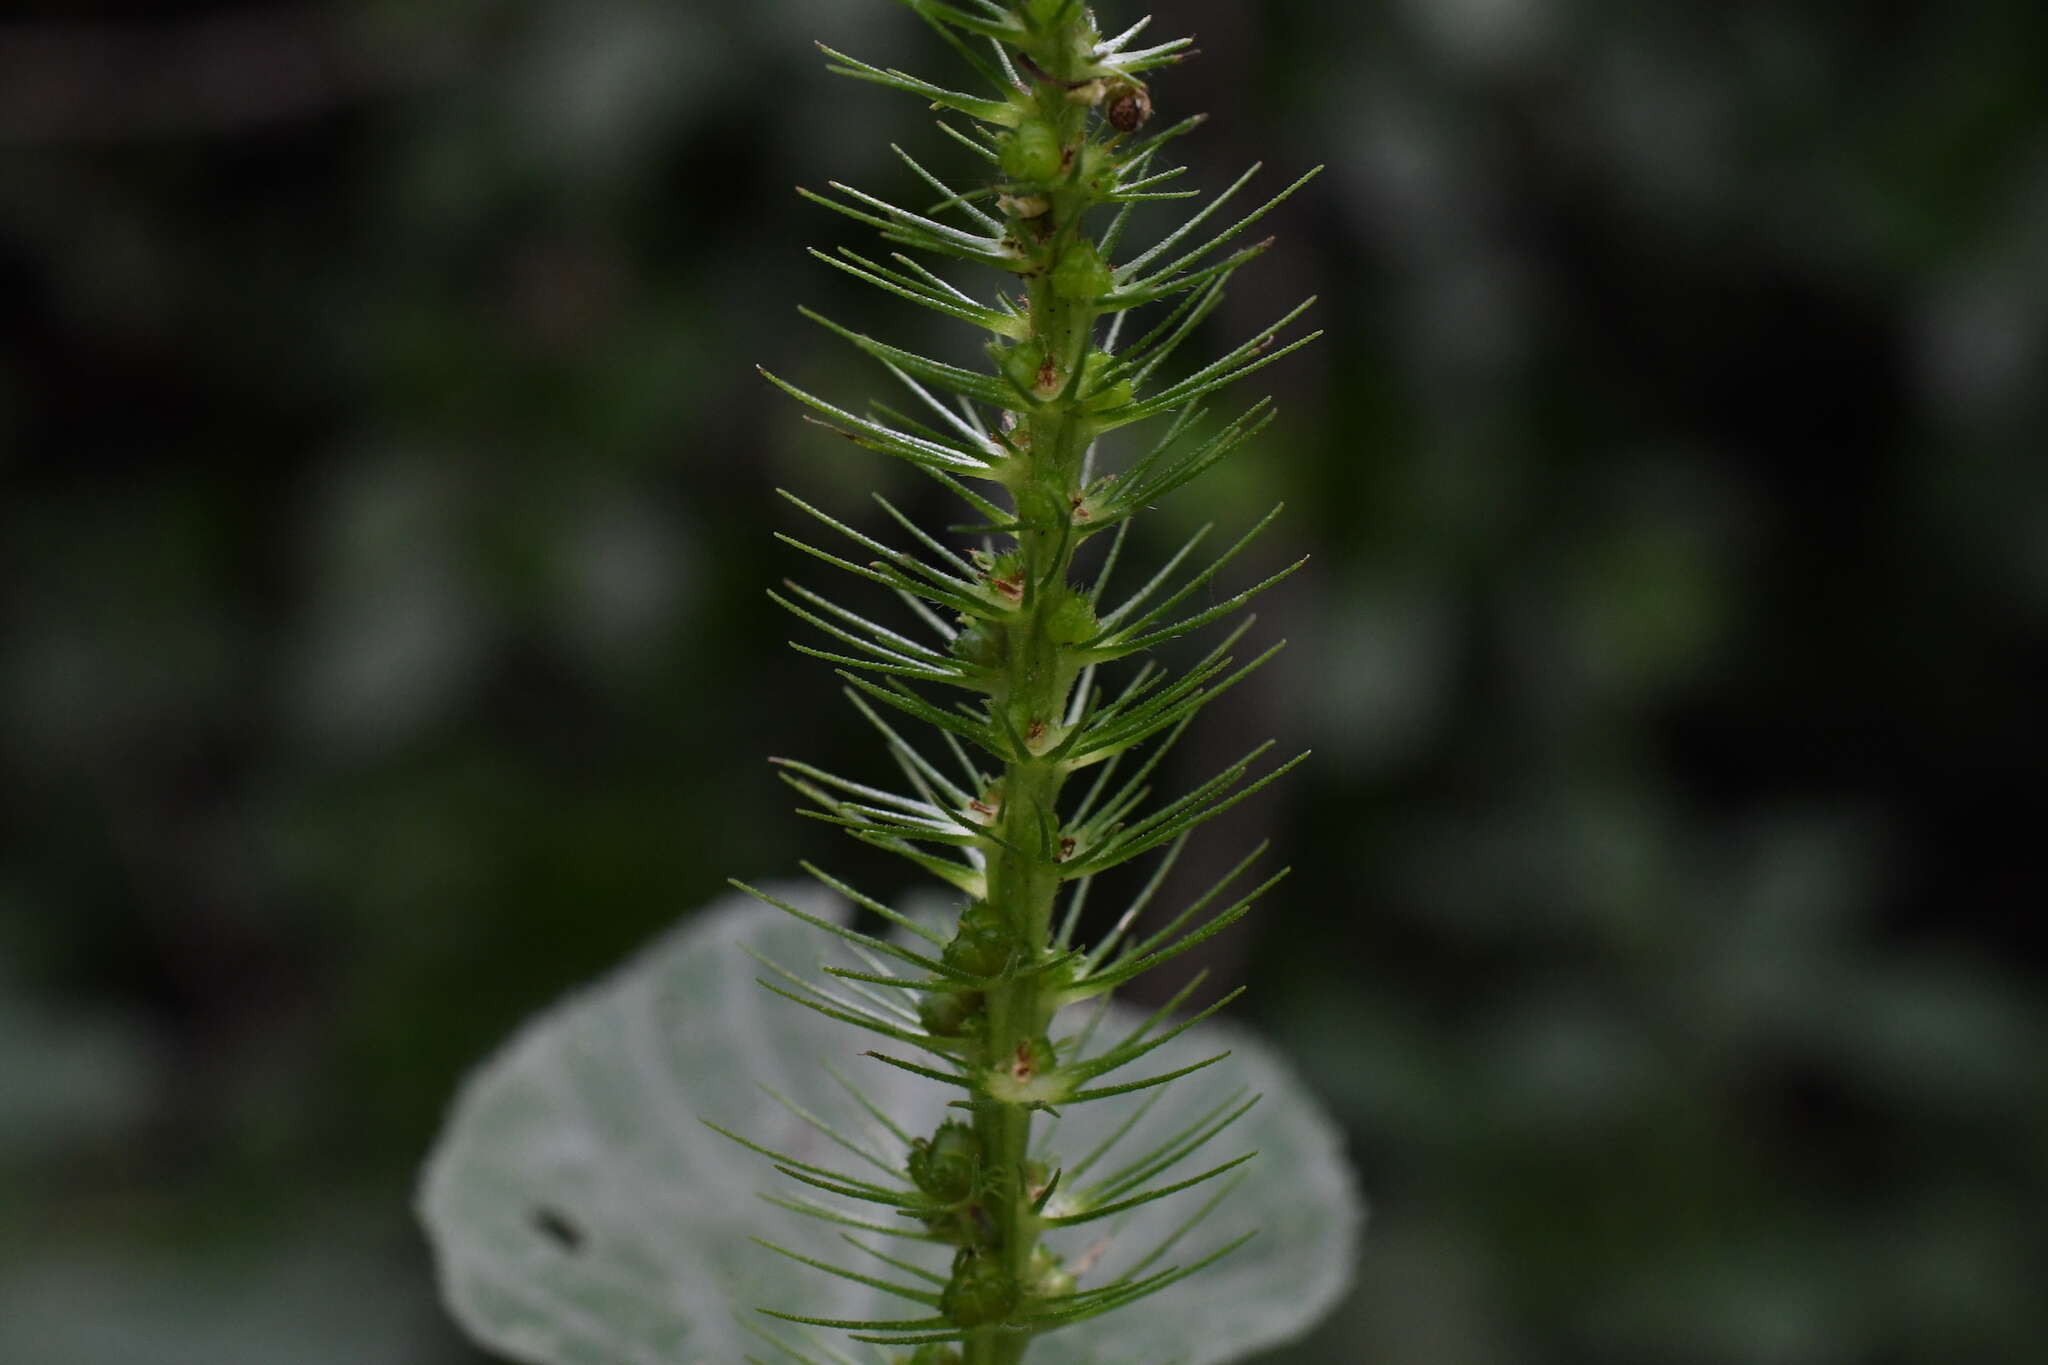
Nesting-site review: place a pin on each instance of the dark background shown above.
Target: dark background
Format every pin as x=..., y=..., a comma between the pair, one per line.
x=387, y=509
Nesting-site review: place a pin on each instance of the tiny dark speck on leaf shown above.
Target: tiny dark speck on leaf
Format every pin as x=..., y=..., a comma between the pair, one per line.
x=557, y=1228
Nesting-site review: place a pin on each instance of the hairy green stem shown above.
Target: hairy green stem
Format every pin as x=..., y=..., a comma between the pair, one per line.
x=1023, y=872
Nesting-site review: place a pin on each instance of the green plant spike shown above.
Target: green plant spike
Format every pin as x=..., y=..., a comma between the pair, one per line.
x=1014, y=654
x=1012, y=627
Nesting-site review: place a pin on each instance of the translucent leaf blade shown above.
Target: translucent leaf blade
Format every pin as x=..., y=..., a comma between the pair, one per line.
x=581, y=1215
x=576, y=1219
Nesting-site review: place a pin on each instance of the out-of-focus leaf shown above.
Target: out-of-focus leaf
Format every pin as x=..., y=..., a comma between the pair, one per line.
x=334, y=1298
x=72, y=1078
x=581, y=1215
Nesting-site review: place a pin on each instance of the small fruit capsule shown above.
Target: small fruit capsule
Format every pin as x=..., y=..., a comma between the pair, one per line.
x=1031, y=1060
x=1040, y=737
x=986, y=808
x=1127, y=105
x=1032, y=152
x=1024, y=206
x=981, y=1290
x=1049, y=380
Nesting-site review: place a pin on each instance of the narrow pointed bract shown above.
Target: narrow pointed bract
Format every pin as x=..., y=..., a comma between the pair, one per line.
x=1010, y=653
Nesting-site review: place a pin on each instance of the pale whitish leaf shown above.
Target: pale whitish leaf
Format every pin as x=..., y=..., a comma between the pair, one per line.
x=581, y=1215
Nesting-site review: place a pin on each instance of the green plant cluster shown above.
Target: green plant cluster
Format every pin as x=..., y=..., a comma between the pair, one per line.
x=1015, y=626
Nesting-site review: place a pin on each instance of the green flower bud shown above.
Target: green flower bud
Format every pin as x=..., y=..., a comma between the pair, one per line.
x=986, y=646
x=951, y=1014
x=1046, y=1277
x=1045, y=11
x=960, y=1226
x=1098, y=397
x=981, y=945
x=1071, y=619
x=945, y=1166
x=1040, y=506
x=1099, y=167
x=981, y=1290
x=1081, y=273
x=1032, y=152
x=1029, y=367
x=1108, y=400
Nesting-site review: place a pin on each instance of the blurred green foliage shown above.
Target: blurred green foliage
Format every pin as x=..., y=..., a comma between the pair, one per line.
x=388, y=503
